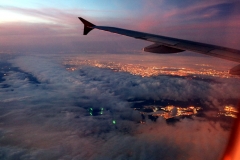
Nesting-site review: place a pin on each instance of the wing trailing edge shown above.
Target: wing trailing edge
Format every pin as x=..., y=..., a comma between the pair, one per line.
x=235, y=70
x=161, y=49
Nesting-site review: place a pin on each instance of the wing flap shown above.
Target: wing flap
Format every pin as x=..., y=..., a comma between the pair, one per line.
x=235, y=70
x=159, y=48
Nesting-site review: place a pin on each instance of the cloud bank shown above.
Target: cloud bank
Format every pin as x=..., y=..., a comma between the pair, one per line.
x=50, y=119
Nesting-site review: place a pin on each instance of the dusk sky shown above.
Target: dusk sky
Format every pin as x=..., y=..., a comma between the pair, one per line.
x=53, y=25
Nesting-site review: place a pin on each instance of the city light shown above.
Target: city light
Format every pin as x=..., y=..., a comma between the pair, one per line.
x=147, y=71
x=172, y=111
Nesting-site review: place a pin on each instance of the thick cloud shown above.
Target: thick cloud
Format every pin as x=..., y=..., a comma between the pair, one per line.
x=51, y=119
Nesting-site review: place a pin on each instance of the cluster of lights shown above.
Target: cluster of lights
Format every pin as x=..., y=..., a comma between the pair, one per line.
x=171, y=111
x=71, y=69
x=100, y=112
x=145, y=71
x=229, y=111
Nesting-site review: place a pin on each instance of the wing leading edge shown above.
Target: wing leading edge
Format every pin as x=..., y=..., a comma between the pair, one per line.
x=163, y=44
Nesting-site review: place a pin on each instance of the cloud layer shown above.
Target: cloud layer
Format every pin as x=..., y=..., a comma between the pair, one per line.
x=50, y=119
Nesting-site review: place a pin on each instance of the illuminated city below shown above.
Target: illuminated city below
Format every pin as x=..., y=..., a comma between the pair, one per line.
x=229, y=111
x=145, y=71
x=171, y=111
x=168, y=111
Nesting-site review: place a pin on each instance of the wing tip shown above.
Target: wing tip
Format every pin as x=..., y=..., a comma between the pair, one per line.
x=88, y=26
x=85, y=22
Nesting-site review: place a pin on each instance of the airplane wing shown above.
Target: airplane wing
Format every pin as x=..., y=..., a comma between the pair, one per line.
x=165, y=45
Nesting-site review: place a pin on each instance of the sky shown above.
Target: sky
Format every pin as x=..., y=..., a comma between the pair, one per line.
x=39, y=26
x=54, y=81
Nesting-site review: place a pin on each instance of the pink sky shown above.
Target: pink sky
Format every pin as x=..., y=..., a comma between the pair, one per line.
x=56, y=29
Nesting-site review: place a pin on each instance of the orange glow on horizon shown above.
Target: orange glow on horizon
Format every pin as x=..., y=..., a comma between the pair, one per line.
x=233, y=148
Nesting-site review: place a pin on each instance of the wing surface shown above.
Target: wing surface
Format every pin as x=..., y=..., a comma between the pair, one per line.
x=163, y=44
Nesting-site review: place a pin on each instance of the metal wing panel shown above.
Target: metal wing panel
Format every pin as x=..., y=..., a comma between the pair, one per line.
x=121, y=31
x=226, y=54
x=212, y=50
x=196, y=47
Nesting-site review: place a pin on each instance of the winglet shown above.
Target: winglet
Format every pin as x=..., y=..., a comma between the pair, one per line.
x=87, y=26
